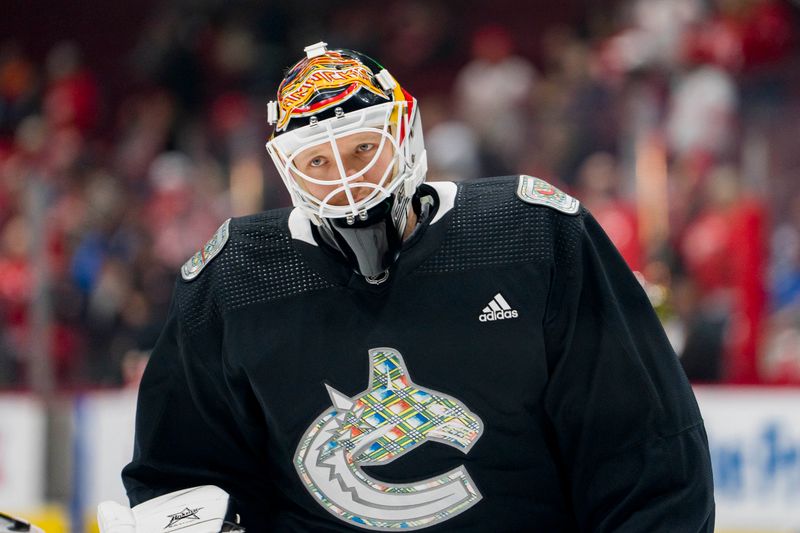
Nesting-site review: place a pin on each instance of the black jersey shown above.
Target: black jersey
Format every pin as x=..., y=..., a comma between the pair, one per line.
x=509, y=375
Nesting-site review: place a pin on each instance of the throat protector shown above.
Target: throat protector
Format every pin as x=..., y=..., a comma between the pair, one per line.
x=370, y=244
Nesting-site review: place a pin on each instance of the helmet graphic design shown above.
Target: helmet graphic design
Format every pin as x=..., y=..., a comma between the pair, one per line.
x=324, y=81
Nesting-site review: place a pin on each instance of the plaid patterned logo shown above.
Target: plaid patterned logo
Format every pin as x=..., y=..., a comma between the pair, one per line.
x=389, y=419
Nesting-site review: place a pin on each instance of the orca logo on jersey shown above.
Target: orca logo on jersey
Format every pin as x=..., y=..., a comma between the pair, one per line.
x=389, y=419
x=498, y=309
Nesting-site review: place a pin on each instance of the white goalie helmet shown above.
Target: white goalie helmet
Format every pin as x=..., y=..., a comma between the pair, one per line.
x=332, y=94
x=333, y=104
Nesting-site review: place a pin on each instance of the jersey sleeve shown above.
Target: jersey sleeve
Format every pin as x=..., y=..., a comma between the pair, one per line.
x=628, y=433
x=188, y=422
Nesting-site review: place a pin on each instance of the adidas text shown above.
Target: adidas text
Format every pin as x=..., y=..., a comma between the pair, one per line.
x=497, y=315
x=498, y=309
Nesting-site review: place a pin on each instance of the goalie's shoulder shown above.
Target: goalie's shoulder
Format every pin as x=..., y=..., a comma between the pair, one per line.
x=256, y=230
x=503, y=194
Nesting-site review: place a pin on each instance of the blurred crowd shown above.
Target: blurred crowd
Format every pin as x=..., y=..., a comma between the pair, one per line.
x=674, y=121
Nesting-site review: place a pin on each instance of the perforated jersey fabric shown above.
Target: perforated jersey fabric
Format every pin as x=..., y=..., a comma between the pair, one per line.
x=488, y=227
x=492, y=227
x=258, y=264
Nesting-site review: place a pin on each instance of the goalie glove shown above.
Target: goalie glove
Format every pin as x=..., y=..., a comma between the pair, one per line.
x=196, y=510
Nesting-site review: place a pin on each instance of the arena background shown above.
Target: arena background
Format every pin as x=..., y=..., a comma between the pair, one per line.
x=130, y=130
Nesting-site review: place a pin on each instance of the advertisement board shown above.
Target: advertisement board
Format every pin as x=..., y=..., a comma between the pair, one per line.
x=106, y=423
x=754, y=437
x=22, y=452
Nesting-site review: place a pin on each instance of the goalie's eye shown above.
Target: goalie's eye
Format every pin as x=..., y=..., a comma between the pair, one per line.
x=317, y=162
x=365, y=148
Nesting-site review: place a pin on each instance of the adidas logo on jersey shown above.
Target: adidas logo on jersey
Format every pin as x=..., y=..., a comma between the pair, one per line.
x=498, y=309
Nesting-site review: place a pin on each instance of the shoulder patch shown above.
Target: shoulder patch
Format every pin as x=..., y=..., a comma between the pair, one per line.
x=538, y=192
x=192, y=268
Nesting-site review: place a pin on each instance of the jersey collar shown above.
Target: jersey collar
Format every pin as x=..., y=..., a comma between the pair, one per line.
x=425, y=239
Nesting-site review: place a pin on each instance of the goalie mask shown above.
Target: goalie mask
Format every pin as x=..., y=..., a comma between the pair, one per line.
x=348, y=145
